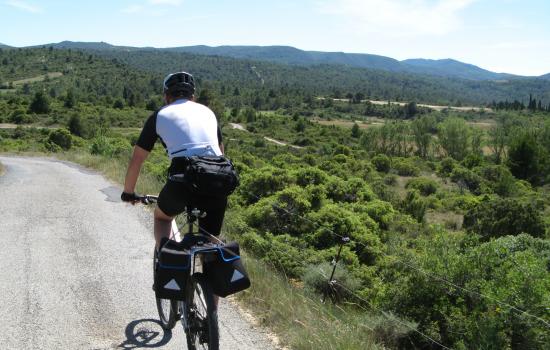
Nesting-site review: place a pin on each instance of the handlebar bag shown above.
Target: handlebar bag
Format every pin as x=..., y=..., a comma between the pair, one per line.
x=172, y=271
x=226, y=273
x=212, y=176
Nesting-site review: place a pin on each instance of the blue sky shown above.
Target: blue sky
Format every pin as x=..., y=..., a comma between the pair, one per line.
x=510, y=36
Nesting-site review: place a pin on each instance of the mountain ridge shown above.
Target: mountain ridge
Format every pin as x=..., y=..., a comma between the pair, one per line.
x=294, y=56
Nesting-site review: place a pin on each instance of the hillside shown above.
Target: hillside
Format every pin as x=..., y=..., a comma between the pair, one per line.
x=289, y=82
x=290, y=55
x=330, y=79
x=450, y=67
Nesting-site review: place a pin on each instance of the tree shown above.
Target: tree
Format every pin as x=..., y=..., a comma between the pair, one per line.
x=422, y=129
x=498, y=140
x=453, y=136
x=355, y=131
x=76, y=127
x=70, y=100
x=526, y=157
x=410, y=110
x=40, y=103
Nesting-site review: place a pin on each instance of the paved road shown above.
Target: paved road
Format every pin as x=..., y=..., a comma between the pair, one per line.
x=75, y=266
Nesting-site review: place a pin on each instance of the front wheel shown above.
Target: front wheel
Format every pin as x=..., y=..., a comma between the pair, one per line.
x=166, y=308
x=202, y=315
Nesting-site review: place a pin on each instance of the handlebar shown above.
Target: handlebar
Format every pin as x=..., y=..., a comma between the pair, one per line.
x=147, y=199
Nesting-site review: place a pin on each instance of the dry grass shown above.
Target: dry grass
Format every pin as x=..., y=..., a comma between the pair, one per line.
x=37, y=78
x=301, y=320
x=2, y=170
x=450, y=220
x=369, y=123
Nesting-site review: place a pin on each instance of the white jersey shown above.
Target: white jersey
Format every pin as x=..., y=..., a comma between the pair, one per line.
x=185, y=128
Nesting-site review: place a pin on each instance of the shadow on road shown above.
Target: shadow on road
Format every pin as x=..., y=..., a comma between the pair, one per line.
x=146, y=333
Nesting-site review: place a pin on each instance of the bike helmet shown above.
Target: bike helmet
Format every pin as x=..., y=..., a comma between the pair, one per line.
x=179, y=83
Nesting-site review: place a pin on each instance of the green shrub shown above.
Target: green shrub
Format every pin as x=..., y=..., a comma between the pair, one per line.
x=263, y=182
x=446, y=166
x=414, y=205
x=499, y=179
x=61, y=138
x=472, y=160
x=314, y=279
x=424, y=185
x=499, y=217
x=390, y=180
x=351, y=190
x=110, y=147
x=468, y=179
x=382, y=163
x=405, y=167
x=310, y=176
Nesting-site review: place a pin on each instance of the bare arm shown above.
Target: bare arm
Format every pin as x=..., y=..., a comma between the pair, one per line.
x=134, y=168
x=222, y=148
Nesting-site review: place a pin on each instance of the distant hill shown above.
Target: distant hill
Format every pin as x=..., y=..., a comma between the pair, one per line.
x=450, y=67
x=290, y=55
x=4, y=46
x=79, y=45
x=546, y=76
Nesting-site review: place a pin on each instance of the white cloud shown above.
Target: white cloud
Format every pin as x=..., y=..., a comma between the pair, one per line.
x=400, y=18
x=21, y=5
x=166, y=2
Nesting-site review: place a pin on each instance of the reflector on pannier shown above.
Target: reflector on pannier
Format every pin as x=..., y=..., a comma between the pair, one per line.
x=225, y=271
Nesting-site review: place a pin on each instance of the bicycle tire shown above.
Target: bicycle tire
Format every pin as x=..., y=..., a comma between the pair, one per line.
x=202, y=315
x=166, y=308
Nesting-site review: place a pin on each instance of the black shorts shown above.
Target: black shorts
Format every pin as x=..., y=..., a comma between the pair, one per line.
x=175, y=197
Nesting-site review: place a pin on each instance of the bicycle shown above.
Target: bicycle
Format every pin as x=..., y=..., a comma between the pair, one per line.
x=198, y=311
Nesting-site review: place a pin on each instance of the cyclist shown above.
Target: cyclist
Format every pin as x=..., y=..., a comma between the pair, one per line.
x=185, y=129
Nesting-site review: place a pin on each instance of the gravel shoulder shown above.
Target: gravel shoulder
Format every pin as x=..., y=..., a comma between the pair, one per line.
x=76, y=266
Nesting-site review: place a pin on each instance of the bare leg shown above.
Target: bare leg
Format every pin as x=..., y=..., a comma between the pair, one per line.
x=163, y=226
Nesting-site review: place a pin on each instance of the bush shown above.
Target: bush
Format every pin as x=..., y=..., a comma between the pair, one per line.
x=382, y=163
x=61, y=138
x=499, y=179
x=424, y=185
x=467, y=178
x=310, y=176
x=446, y=166
x=314, y=279
x=500, y=217
x=405, y=167
x=414, y=205
x=109, y=147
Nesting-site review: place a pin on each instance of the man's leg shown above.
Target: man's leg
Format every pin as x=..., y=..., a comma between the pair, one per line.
x=163, y=226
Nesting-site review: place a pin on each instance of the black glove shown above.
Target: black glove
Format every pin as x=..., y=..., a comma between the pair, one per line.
x=129, y=197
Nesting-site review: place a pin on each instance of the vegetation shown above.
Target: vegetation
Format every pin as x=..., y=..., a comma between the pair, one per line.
x=446, y=211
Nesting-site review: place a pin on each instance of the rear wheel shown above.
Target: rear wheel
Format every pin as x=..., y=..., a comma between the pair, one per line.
x=167, y=308
x=202, y=315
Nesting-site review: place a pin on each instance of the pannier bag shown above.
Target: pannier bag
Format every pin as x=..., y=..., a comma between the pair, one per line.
x=226, y=273
x=172, y=270
x=213, y=176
